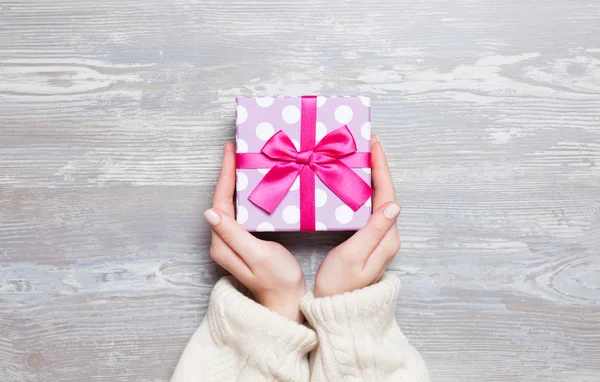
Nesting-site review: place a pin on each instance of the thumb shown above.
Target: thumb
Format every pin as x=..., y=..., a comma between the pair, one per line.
x=366, y=239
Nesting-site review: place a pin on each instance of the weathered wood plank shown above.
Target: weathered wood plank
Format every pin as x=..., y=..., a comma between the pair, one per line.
x=112, y=116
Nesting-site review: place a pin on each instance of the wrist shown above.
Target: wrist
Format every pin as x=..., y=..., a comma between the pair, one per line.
x=291, y=312
x=332, y=289
x=285, y=304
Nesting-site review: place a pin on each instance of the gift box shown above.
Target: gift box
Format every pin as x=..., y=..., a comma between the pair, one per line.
x=303, y=163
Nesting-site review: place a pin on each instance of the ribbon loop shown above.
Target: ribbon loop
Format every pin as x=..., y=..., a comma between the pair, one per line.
x=280, y=148
x=337, y=144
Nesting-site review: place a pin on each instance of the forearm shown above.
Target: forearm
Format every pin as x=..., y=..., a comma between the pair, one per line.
x=242, y=340
x=359, y=338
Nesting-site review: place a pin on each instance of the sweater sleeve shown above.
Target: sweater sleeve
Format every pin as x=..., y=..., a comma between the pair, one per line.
x=359, y=338
x=240, y=340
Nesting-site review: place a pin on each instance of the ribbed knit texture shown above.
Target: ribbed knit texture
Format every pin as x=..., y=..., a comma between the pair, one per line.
x=359, y=338
x=240, y=340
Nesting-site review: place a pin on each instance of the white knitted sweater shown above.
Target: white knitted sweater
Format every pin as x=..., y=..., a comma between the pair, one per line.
x=355, y=338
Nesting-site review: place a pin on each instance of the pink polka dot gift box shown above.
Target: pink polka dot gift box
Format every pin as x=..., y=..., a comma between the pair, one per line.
x=303, y=163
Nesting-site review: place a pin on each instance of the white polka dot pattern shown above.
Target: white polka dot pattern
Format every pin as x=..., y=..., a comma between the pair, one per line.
x=241, y=146
x=264, y=227
x=241, y=181
x=290, y=114
x=241, y=114
x=291, y=214
x=242, y=214
x=321, y=131
x=343, y=114
x=264, y=101
x=320, y=197
x=343, y=214
x=264, y=131
x=365, y=130
x=296, y=184
x=258, y=119
x=296, y=144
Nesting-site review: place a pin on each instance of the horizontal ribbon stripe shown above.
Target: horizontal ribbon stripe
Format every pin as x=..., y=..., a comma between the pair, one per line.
x=260, y=160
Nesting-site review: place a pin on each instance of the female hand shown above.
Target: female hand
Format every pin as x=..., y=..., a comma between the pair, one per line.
x=361, y=260
x=266, y=268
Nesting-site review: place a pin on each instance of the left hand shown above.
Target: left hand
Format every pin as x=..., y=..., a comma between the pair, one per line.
x=266, y=268
x=361, y=260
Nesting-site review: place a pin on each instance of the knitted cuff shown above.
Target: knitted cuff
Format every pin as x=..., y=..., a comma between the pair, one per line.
x=362, y=303
x=235, y=318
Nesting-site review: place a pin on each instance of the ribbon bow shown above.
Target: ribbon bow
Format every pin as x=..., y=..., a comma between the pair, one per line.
x=325, y=159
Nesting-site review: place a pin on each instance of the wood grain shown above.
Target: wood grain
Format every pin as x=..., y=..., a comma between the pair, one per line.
x=112, y=117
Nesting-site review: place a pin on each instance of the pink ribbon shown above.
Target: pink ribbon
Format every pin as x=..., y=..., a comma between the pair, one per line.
x=330, y=160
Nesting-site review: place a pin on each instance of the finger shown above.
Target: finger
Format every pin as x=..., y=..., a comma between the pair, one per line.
x=368, y=238
x=223, y=198
x=381, y=257
x=234, y=235
x=383, y=186
x=374, y=138
x=228, y=259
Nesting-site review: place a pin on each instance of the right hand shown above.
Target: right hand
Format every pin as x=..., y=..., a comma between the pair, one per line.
x=266, y=268
x=361, y=260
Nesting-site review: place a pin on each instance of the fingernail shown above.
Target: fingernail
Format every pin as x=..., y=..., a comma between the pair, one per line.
x=212, y=217
x=392, y=211
x=376, y=138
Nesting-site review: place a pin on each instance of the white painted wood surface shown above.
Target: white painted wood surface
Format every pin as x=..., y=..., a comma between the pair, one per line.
x=112, y=117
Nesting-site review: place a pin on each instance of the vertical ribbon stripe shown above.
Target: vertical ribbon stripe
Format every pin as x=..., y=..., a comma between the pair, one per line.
x=308, y=130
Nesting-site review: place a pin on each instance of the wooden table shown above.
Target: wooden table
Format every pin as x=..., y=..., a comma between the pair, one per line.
x=113, y=114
